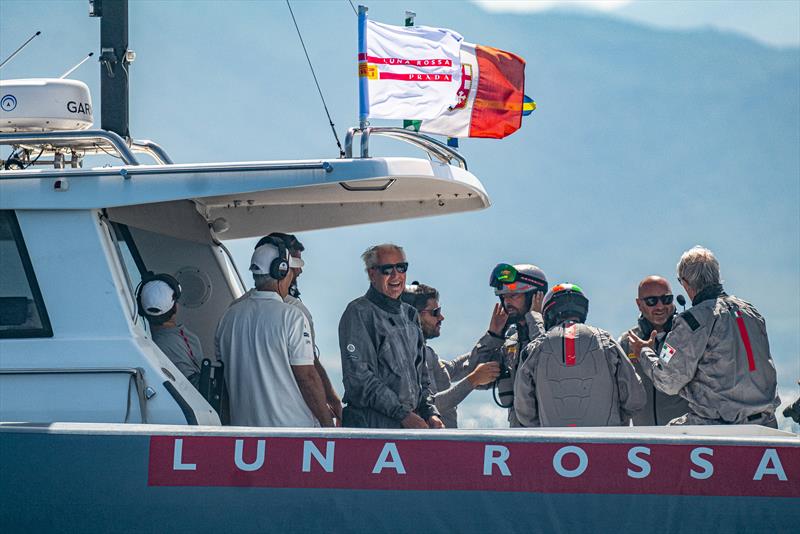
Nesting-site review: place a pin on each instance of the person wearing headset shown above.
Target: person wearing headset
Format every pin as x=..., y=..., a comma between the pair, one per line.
x=296, y=249
x=267, y=350
x=657, y=314
x=157, y=300
x=717, y=354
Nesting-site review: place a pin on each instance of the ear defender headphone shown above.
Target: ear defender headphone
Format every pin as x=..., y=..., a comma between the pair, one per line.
x=279, y=267
x=148, y=277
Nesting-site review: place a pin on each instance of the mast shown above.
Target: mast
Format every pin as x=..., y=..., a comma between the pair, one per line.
x=115, y=60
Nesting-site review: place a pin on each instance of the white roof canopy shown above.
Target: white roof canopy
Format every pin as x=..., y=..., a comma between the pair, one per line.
x=254, y=196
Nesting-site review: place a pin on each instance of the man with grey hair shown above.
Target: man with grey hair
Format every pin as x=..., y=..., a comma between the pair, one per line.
x=267, y=350
x=717, y=354
x=386, y=382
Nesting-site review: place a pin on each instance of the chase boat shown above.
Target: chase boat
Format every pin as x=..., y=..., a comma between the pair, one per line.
x=100, y=432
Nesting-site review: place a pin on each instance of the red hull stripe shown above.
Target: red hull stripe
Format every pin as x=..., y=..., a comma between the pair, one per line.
x=452, y=465
x=428, y=62
x=569, y=345
x=497, y=110
x=416, y=77
x=751, y=361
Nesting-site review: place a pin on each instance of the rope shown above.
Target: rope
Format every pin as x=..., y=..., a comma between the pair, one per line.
x=333, y=127
x=354, y=7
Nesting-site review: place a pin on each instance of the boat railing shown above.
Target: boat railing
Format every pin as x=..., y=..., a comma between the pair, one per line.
x=433, y=147
x=88, y=142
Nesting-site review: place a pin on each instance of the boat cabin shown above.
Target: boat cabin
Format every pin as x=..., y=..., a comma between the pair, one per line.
x=75, y=241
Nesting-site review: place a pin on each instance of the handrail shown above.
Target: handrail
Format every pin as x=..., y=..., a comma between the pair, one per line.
x=433, y=147
x=153, y=149
x=109, y=138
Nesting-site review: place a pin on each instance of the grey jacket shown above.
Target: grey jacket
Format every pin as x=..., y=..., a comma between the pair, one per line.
x=660, y=408
x=447, y=395
x=506, y=350
x=576, y=375
x=705, y=359
x=183, y=349
x=383, y=363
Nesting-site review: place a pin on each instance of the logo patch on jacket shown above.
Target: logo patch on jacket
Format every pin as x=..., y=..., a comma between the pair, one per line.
x=667, y=352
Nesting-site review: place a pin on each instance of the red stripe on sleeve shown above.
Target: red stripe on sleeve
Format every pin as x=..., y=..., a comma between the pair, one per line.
x=751, y=362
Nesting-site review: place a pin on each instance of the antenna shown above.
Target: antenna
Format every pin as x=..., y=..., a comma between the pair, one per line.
x=70, y=71
x=17, y=51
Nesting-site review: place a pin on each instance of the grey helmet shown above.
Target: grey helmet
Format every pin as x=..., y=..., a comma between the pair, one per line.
x=521, y=278
x=562, y=302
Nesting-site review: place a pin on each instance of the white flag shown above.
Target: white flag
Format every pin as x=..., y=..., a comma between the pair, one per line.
x=455, y=121
x=413, y=72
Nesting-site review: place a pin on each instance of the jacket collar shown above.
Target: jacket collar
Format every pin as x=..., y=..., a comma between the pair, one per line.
x=385, y=303
x=647, y=327
x=708, y=293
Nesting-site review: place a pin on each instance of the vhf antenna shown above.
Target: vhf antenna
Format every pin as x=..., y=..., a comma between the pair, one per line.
x=70, y=71
x=17, y=51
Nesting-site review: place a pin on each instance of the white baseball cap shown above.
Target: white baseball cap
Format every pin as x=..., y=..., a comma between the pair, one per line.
x=157, y=297
x=263, y=256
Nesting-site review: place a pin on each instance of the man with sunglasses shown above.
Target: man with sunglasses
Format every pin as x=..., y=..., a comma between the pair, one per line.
x=657, y=313
x=515, y=322
x=451, y=381
x=717, y=354
x=386, y=382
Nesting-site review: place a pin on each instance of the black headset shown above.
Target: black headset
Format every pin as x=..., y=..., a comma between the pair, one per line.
x=279, y=267
x=148, y=277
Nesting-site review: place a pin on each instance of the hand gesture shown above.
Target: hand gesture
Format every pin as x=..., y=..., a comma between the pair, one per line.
x=636, y=343
x=497, y=324
x=412, y=420
x=435, y=422
x=484, y=373
x=536, y=302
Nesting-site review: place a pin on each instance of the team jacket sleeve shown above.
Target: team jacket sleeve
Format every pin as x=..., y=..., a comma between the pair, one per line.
x=452, y=397
x=458, y=368
x=359, y=361
x=535, y=324
x=525, y=406
x=426, y=406
x=676, y=364
x=632, y=396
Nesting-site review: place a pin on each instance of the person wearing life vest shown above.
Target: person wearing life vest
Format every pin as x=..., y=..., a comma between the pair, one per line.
x=575, y=374
x=657, y=312
x=717, y=354
x=515, y=321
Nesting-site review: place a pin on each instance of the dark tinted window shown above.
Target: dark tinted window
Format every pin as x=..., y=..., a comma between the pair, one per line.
x=22, y=312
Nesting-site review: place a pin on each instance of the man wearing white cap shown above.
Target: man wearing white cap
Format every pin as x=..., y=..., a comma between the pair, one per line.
x=157, y=299
x=267, y=350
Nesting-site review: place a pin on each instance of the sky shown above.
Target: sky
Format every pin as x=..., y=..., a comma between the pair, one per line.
x=774, y=22
x=228, y=81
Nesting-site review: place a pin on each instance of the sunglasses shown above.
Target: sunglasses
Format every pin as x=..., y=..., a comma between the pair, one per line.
x=436, y=312
x=652, y=301
x=387, y=268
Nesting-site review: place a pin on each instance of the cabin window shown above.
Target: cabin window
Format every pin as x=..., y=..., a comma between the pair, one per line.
x=22, y=312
